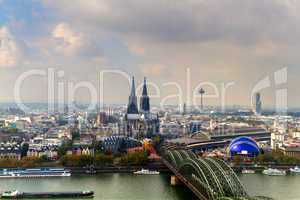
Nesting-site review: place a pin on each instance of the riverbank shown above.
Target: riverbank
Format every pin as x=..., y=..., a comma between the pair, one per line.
x=157, y=166
x=260, y=168
x=117, y=169
x=154, y=165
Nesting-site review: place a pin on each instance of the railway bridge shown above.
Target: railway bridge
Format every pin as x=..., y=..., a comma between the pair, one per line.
x=207, y=178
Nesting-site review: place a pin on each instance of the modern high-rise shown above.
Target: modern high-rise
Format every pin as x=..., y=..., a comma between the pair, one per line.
x=258, y=104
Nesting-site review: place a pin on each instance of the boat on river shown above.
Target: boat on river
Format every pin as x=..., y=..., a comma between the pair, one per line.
x=146, y=172
x=41, y=195
x=295, y=170
x=248, y=171
x=274, y=172
x=34, y=173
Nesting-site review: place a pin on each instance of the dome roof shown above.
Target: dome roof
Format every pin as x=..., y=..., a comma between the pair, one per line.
x=244, y=146
x=243, y=139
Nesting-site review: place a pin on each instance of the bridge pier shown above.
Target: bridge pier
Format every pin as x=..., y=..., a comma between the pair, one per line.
x=175, y=181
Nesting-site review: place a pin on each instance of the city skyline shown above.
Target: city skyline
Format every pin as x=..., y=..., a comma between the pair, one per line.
x=165, y=41
x=160, y=99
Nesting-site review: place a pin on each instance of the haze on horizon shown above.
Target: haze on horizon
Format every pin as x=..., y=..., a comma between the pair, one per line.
x=215, y=41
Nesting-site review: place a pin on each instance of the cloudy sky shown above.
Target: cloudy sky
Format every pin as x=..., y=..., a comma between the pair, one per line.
x=169, y=41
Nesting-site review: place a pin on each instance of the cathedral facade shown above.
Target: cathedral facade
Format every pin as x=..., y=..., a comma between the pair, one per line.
x=140, y=123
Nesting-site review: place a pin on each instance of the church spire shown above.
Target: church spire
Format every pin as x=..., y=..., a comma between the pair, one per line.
x=132, y=103
x=132, y=87
x=145, y=92
x=145, y=101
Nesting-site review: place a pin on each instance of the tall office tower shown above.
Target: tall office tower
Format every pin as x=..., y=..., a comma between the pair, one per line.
x=184, y=109
x=145, y=101
x=258, y=104
x=132, y=107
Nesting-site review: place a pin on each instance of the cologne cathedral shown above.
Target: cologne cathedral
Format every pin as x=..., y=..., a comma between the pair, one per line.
x=140, y=123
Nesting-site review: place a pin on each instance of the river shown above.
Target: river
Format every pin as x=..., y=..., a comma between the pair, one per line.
x=139, y=187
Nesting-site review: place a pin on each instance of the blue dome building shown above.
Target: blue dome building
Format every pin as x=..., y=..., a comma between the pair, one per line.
x=244, y=146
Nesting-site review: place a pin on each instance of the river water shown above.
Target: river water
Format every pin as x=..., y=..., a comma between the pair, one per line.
x=139, y=187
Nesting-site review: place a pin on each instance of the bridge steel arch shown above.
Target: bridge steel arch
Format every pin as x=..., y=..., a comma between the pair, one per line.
x=227, y=183
x=214, y=178
x=169, y=156
x=194, y=173
x=239, y=186
x=176, y=157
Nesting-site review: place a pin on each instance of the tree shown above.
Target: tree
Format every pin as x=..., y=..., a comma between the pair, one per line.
x=237, y=159
x=277, y=157
x=77, y=160
x=24, y=149
x=29, y=162
x=44, y=158
x=75, y=134
x=137, y=158
x=62, y=150
x=8, y=162
x=102, y=159
x=98, y=146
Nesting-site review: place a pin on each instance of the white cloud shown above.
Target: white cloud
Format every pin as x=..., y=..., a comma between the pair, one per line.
x=241, y=22
x=136, y=49
x=218, y=40
x=9, y=51
x=98, y=60
x=68, y=42
x=154, y=70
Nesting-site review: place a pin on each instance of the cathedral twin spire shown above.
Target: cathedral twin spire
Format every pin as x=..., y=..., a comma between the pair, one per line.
x=132, y=102
x=132, y=107
x=145, y=101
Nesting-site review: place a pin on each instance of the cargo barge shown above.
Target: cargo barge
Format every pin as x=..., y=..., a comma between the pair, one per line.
x=45, y=195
